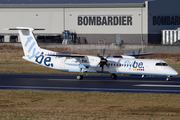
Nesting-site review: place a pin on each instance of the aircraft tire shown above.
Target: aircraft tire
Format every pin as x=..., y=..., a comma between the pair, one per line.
x=168, y=79
x=113, y=76
x=79, y=77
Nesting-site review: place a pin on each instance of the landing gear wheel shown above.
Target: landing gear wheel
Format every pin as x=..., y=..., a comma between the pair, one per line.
x=168, y=78
x=79, y=77
x=113, y=76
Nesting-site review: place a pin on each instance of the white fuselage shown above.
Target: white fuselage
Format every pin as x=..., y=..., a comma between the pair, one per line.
x=130, y=66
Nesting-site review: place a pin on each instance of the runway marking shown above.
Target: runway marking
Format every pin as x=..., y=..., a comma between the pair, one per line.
x=150, y=85
x=62, y=79
x=109, y=80
x=86, y=89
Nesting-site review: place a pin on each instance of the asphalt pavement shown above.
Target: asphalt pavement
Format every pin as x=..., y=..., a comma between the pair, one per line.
x=91, y=83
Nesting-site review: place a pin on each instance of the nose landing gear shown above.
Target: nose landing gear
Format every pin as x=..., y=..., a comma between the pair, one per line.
x=168, y=78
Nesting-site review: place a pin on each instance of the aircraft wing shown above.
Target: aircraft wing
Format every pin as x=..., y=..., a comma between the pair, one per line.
x=117, y=56
x=67, y=55
x=85, y=56
x=137, y=54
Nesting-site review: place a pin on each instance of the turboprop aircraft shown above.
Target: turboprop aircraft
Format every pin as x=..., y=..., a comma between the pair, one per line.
x=113, y=64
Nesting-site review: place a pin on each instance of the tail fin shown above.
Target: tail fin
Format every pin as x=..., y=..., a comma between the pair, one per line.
x=29, y=44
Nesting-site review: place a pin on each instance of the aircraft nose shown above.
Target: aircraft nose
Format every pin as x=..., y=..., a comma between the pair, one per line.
x=170, y=71
x=174, y=72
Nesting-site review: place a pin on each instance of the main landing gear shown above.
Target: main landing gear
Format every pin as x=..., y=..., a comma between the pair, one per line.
x=80, y=76
x=113, y=76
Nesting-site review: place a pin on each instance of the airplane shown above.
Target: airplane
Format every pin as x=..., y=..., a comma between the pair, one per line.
x=113, y=64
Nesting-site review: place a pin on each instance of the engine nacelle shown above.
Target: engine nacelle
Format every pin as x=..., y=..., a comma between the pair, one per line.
x=93, y=60
x=128, y=57
x=88, y=61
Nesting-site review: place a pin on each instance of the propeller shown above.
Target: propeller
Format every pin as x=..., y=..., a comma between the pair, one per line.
x=103, y=60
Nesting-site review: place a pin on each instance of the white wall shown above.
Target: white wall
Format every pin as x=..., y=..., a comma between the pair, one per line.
x=71, y=20
x=55, y=20
x=50, y=19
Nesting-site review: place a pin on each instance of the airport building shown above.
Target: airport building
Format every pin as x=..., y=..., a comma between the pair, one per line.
x=92, y=23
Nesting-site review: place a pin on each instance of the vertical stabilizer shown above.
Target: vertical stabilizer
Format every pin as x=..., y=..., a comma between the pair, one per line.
x=28, y=41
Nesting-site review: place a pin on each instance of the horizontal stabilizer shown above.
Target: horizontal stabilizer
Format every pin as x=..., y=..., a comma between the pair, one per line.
x=24, y=28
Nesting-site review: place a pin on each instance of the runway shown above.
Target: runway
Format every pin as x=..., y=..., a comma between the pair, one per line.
x=123, y=84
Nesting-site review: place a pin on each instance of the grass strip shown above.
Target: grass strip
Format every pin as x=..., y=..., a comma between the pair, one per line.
x=43, y=105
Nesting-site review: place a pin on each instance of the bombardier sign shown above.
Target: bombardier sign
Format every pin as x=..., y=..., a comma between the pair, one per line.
x=104, y=20
x=166, y=20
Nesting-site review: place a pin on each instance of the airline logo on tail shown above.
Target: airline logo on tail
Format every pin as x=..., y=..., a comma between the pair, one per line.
x=46, y=60
x=32, y=48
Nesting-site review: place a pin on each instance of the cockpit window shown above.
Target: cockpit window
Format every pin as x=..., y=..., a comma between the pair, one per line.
x=158, y=64
x=161, y=64
x=164, y=64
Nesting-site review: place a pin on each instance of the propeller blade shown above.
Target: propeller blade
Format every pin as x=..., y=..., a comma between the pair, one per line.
x=139, y=51
x=99, y=56
x=103, y=52
x=133, y=53
x=102, y=69
x=108, y=56
x=107, y=65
